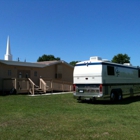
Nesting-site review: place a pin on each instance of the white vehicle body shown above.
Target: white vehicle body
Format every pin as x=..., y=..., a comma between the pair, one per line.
x=101, y=79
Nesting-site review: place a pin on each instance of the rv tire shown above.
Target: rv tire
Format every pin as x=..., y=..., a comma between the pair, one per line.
x=112, y=96
x=119, y=98
x=93, y=100
x=79, y=99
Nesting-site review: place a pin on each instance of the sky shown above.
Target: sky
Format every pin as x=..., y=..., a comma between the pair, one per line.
x=73, y=30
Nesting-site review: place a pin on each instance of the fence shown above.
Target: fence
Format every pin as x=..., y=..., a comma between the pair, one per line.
x=55, y=85
x=26, y=85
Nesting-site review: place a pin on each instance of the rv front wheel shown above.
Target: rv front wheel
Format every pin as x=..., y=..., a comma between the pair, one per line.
x=93, y=100
x=79, y=99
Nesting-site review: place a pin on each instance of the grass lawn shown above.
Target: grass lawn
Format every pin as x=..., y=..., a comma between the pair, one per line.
x=60, y=117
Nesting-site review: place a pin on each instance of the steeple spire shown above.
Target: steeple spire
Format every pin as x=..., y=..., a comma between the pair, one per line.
x=8, y=55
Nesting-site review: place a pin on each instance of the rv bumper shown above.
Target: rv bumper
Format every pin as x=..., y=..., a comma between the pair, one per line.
x=81, y=97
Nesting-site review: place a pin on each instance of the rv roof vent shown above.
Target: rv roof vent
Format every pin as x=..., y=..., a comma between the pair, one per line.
x=127, y=64
x=95, y=58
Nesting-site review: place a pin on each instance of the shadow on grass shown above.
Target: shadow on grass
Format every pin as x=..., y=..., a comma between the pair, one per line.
x=8, y=94
x=128, y=100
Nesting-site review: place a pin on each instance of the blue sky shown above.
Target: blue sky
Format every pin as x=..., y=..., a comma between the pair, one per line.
x=73, y=30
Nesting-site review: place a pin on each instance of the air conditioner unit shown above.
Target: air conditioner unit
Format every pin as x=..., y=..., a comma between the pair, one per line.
x=95, y=58
x=127, y=64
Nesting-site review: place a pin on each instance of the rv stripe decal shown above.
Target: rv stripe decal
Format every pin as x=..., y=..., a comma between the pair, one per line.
x=108, y=64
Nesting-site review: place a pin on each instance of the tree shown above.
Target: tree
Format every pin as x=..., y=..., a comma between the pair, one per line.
x=121, y=58
x=47, y=58
x=73, y=63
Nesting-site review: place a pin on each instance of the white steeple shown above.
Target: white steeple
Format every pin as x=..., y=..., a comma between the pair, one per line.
x=8, y=55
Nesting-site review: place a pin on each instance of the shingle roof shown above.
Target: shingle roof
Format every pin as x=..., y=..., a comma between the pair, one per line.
x=36, y=64
x=17, y=63
x=49, y=62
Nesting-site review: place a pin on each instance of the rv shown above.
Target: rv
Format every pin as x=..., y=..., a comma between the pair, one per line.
x=98, y=78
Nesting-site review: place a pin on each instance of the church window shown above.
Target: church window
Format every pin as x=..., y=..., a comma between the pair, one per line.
x=9, y=72
x=35, y=73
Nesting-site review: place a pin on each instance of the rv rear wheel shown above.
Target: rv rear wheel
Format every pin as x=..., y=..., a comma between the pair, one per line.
x=112, y=96
x=119, y=96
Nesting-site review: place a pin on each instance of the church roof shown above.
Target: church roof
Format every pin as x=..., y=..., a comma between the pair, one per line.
x=48, y=63
x=19, y=63
x=36, y=64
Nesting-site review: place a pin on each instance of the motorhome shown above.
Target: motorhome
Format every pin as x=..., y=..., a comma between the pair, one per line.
x=98, y=78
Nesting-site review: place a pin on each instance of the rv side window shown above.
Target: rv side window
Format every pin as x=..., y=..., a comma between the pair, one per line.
x=139, y=73
x=110, y=70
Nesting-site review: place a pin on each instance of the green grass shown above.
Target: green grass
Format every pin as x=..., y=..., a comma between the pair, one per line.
x=60, y=117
